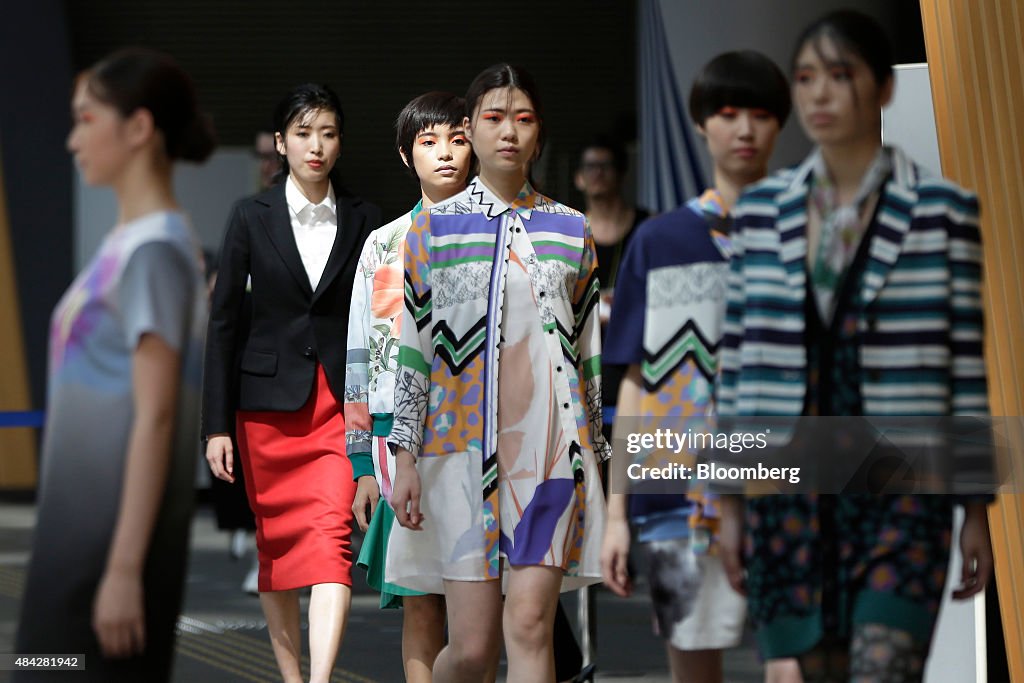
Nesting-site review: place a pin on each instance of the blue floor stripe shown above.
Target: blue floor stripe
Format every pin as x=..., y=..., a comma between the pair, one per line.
x=22, y=418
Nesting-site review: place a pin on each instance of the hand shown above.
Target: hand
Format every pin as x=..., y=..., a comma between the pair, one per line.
x=976, y=548
x=405, y=495
x=615, y=557
x=221, y=456
x=730, y=541
x=604, y=308
x=117, y=614
x=367, y=494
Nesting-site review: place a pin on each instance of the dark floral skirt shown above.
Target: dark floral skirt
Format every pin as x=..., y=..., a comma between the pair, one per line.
x=818, y=564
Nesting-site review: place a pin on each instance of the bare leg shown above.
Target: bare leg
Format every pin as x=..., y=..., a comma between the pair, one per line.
x=328, y=615
x=695, y=666
x=782, y=671
x=474, y=632
x=281, y=608
x=422, y=635
x=529, y=621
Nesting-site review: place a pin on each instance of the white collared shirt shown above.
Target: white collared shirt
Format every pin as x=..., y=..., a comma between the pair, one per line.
x=315, y=227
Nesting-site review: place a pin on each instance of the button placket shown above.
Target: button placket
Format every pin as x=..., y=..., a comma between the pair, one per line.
x=560, y=380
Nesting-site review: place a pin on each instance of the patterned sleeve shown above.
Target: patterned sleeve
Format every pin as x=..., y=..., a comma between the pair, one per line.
x=156, y=294
x=732, y=327
x=416, y=351
x=969, y=387
x=587, y=330
x=358, y=425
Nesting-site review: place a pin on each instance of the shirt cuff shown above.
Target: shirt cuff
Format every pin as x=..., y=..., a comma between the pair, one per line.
x=362, y=465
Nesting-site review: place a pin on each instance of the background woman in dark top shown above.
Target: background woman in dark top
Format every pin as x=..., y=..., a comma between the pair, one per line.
x=295, y=248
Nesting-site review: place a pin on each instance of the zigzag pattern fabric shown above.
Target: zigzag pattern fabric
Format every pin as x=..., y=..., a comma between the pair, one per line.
x=674, y=273
x=688, y=346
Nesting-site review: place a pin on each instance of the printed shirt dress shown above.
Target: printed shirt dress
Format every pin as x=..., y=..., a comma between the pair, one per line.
x=498, y=392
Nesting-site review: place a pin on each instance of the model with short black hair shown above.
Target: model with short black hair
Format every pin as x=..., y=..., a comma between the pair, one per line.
x=431, y=141
x=673, y=280
x=741, y=79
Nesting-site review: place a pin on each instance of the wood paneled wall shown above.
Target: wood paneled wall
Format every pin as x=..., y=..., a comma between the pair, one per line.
x=18, y=445
x=975, y=57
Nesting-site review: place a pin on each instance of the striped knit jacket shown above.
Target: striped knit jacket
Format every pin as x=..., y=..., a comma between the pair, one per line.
x=920, y=325
x=456, y=260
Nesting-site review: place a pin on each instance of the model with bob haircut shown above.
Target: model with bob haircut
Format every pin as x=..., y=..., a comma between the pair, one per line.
x=674, y=277
x=431, y=141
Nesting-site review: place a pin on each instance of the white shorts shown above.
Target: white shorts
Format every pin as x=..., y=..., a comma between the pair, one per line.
x=695, y=608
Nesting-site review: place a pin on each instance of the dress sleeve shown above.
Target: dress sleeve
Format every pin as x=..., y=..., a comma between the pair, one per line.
x=969, y=386
x=156, y=294
x=624, y=338
x=416, y=351
x=585, y=300
x=733, y=326
x=358, y=424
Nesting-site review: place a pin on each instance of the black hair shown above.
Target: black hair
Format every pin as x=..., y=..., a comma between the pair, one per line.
x=299, y=102
x=139, y=78
x=851, y=31
x=619, y=158
x=744, y=78
x=434, y=108
x=506, y=76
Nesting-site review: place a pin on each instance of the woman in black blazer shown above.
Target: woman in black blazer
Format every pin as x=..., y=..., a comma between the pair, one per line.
x=294, y=247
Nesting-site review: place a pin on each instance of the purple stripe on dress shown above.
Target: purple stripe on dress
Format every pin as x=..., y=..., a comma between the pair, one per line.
x=442, y=225
x=534, y=532
x=570, y=226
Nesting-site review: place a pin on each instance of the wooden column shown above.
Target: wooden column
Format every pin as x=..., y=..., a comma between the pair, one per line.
x=17, y=445
x=975, y=56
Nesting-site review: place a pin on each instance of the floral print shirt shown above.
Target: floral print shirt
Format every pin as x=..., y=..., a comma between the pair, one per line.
x=374, y=330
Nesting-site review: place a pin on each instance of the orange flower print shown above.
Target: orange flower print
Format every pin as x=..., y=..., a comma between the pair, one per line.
x=388, y=291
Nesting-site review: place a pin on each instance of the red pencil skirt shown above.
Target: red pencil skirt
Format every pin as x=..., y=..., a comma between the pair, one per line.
x=299, y=482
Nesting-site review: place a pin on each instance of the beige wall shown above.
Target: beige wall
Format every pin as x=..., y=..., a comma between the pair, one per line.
x=17, y=446
x=975, y=52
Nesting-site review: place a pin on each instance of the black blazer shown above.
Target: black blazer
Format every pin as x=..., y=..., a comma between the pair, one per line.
x=292, y=326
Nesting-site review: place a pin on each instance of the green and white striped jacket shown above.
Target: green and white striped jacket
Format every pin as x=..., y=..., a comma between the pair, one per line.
x=920, y=325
